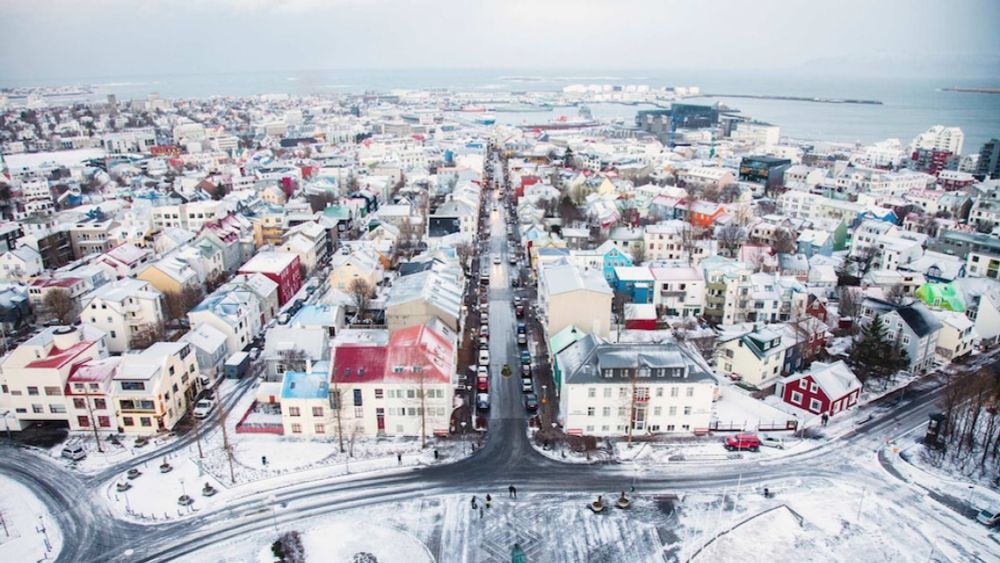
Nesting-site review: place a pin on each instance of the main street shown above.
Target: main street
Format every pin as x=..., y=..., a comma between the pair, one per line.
x=92, y=533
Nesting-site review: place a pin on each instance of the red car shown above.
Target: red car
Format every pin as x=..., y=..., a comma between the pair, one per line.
x=743, y=442
x=482, y=384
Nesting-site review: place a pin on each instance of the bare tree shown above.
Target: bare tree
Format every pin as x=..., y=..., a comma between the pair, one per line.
x=849, y=303
x=293, y=359
x=784, y=241
x=146, y=335
x=864, y=260
x=60, y=306
x=731, y=238
x=896, y=295
x=361, y=292
x=618, y=309
x=639, y=254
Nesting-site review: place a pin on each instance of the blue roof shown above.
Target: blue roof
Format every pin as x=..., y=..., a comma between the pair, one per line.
x=316, y=315
x=299, y=385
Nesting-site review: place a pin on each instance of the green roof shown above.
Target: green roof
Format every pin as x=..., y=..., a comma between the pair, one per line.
x=941, y=296
x=564, y=338
x=337, y=212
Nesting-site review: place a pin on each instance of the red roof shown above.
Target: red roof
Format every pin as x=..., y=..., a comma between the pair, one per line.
x=55, y=282
x=58, y=358
x=420, y=346
x=358, y=363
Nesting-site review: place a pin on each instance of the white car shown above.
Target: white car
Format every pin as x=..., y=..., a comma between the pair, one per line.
x=203, y=408
x=484, y=357
x=496, y=260
x=772, y=441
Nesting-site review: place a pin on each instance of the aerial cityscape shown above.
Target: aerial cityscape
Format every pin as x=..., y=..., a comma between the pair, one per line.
x=432, y=282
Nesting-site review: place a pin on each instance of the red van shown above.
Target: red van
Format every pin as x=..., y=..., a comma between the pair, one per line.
x=743, y=442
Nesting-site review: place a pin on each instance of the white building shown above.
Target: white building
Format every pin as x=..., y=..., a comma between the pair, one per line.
x=639, y=388
x=940, y=138
x=130, y=311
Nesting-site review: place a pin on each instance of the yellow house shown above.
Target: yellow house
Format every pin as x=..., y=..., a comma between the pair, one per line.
x=170, y=275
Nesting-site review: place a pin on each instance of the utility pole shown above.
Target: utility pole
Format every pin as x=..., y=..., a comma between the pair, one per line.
x=93, y=423
x=4, y=523
x=225, y=443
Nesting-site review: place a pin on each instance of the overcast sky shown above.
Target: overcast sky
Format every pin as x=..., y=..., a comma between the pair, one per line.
x=99, y=38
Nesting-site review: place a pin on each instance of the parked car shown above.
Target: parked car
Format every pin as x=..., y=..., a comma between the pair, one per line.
x=772, y=441
x=519, y=311
x=74, y=452
x=484, y=357
x=483, y=401
x=482, y=371
x=512, y=260
x=484, y=339
x=484, y=317
x=482, y=384
x=522, y=339
x=526, y=385
x=531, y=402
x=203, y=408
x=525, y=370
x=743, y=442
x=518, y=300
x=525, y=357
x=484, y=330
x=989, y=516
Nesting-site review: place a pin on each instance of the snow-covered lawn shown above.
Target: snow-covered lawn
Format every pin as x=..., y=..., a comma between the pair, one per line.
x=98, y=460
x=814, y=520
x=737, y=407
x=153, y=495
x=28, y=533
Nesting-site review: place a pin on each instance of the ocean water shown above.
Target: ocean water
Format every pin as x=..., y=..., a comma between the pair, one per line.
x=909, y=105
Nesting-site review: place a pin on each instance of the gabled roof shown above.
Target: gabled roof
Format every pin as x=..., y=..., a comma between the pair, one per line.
x=835, y=379
x=358, y=363
x=421, y=349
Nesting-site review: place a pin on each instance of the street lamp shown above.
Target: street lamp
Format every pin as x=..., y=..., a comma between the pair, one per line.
x=274, y=510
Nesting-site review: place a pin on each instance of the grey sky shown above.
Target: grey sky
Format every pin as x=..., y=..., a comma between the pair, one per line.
x=80, y=38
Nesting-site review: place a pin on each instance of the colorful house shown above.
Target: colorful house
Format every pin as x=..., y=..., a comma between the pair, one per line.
x=827, y=388
x=941, y=296
x=637, y=282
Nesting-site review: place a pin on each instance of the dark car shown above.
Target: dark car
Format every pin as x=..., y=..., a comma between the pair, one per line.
x=531, y=402
x=525, y=357
x=519, y=311
x=483, y=401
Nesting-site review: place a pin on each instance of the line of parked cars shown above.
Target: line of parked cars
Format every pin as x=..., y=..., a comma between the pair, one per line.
x=752, y=442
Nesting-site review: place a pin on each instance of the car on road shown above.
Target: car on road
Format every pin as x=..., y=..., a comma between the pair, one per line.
x=496, y=260
x=482, y=384
x=482, y=371
x=742, y=442
x=484, y=339
x=518, y=300
x=522, y=339
x=772, y=441
x=484, y=317
x=203, y=408
x=74, y=452
x=519, y=311
x=531, y=402
x=484, y=357
x=988, y=516
x=515, y=281
x=512, y=260
x=525, y=357
x=484, y=330
x=526, y=385
x=483, y=401
x=525, y=370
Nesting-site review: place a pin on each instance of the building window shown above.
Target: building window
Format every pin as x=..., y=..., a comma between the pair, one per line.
x=673, y=391
x=796, y=398
x=690, y=391
x=659, y=391
x=32, y=391
x=814, y=405
x=320, y=429
x=133, y=386
x=670, y=428
x=359, y=412
x=606, y=411
x=672, y=411
x=687, y=410
x=607, y=392
x=57, y=409
x=591, y=392
x=296, y=428
x=317, y=411
x=145, y=421
x=83, y=421
x=100, y=404
x=378, y=393
x=79, y=404
x=590, y=411
x=657, y=411
x=104, y=421
x=293, y=411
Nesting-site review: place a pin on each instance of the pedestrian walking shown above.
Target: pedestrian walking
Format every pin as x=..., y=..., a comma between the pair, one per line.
x=513, y=491
x=480, y=511
x=489, y=500
x=435, y=454
x=399, y=458
x=474, y=502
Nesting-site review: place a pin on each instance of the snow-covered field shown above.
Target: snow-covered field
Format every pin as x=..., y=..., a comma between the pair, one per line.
x=28, y=533
x=819, y=520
